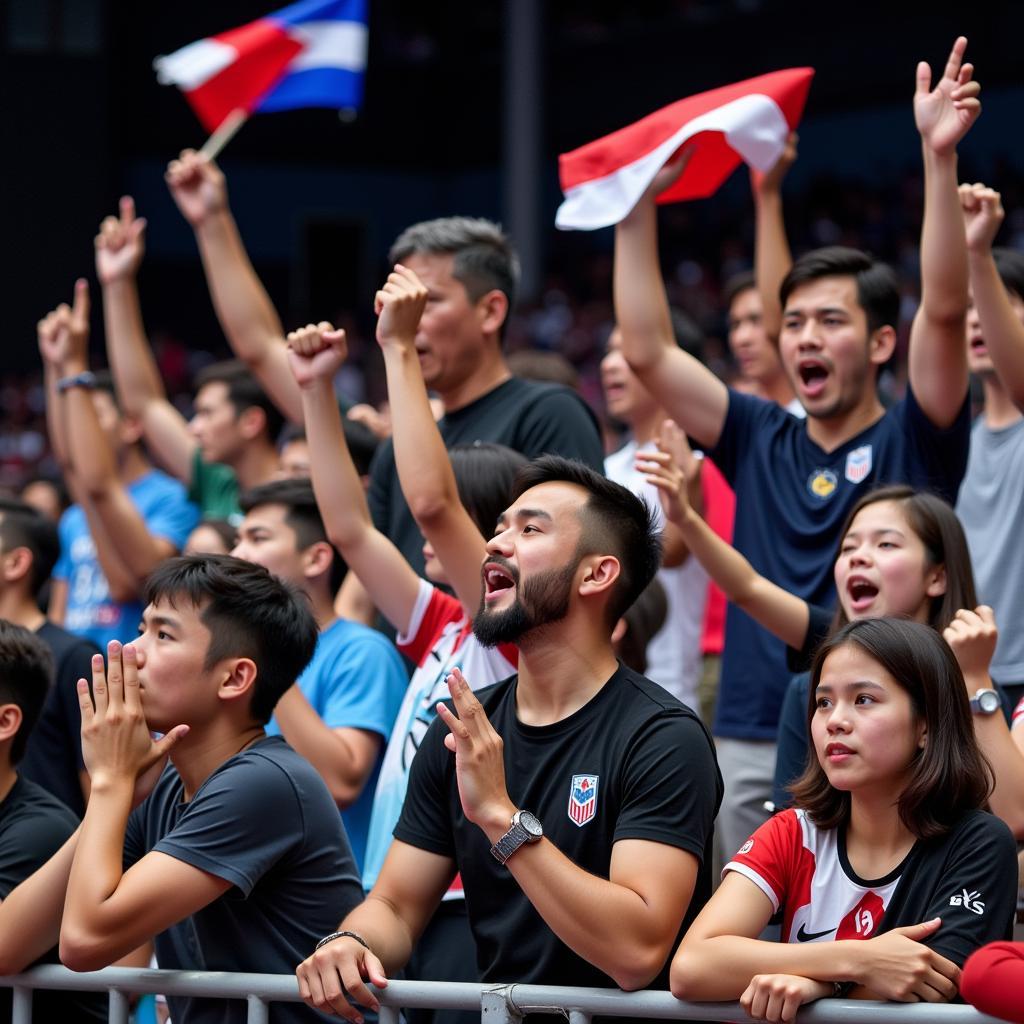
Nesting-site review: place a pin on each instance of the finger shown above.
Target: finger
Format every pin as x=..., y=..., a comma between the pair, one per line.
x=336, y=996
x=85, y=701
x=469, y=708
x=985, y=613
x=378, y=303
x=334, y=338
x=946, y=968
x=966, y=73
x=99, y=684
x=966, y=91
x=353, y=986
x=130, y=677
x=792, y=1002
x=924, y=78
x=115, y=675
x=920, y=931
x=127, y=207
x=163, y=746
x=375, y=973
x=81, y=307
x=956, y=56
x=457, y=729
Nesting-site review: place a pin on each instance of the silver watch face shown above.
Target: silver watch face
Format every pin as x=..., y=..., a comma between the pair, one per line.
x=988, y=702
x=531, y=823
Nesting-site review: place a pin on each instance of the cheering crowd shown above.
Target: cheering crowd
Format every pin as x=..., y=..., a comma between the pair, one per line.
x=449, y=693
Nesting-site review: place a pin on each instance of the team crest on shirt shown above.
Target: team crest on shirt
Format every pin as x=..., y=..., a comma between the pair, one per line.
x=582, y=799
x=822, y=484
x=858, y=464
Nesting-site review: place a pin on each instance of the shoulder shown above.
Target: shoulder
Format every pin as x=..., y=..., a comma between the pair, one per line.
x=156, y=483
x=980, y=828
x=648, y=713
x=36, y=818
x=355, y=640
x=65, y=645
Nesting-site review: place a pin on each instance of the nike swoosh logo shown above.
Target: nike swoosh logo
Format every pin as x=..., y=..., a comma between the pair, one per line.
x=802, y=936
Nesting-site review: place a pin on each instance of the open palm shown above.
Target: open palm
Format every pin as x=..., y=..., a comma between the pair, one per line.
x=944, y=114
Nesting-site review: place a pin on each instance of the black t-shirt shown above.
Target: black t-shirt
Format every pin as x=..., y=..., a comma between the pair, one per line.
x=529, y=417
x=53, y=756
x=633, y=763
x=34, y=825
x=265, y=822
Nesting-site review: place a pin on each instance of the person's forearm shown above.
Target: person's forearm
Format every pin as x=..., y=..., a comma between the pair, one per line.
x=93, y=923
x=1000, y=326
x=382, y=927
x=91, y=453
x=943, y=243
x=245, y=311
x=131, y=359
x=772, y=258
x=55, y=417
x=337, y=762
x=30, y=916
x=121, y=581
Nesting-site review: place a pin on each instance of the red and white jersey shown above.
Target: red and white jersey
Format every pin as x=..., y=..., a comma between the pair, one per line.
x=805, y=871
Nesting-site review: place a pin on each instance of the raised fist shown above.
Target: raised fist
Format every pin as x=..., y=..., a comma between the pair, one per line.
x=983, y=215
x=197, y=185
x=399, y=305
x=316, y=352
x=120, y=244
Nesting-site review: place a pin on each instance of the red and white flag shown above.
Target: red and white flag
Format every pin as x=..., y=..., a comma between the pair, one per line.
x=748, y=121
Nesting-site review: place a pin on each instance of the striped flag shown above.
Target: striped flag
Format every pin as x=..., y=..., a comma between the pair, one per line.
x=603, y=180
x=309, y=54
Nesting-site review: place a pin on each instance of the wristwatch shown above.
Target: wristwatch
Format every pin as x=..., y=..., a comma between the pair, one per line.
x=526, y=828
x=986, y=702
x=85, y=379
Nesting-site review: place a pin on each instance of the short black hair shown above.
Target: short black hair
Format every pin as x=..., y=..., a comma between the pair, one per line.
x=741, y=282
x=484, y=257
x=877, y=288
x=26, y=671
x=244, y=391
x=22, y=526
x=484, y=475
x=614, y=520
x=303, y=516
x=249, y=612
x=1010, y=266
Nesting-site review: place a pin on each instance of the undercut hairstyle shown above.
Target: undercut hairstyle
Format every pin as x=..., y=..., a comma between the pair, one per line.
x=22, y=526
x=484, y=259
x=484, y=475
x=949, y=775
x=945, y=544
x=250, y=614
x=614, y=521
x=302, y=516
x=244, y=392
x=878, y=291
x=1010, y=267
x=26, y=672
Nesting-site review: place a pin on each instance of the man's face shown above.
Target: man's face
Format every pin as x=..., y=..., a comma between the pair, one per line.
x=529, y=575
x=978, y=359
x=754, y=352
x=214, y=423
x=175, y=685
x=295, y=458
x=824, y=346
x=449, y=340
x=266, y=539
x=625, y=398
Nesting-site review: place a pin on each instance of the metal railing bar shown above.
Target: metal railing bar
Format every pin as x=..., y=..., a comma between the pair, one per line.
x=118, y=1007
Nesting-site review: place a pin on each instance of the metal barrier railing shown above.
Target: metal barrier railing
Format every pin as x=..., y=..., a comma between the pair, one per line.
x=497, y=1004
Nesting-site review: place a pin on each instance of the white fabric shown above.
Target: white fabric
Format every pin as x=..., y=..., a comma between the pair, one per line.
x=329, y=44
x=195, y=64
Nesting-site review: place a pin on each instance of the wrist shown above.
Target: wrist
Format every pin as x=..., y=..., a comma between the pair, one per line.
x=104, y=783
x=496, y=821
x=73, y=365
x=976, y=680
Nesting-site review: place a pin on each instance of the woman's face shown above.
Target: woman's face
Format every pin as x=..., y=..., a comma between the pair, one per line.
x=883, y=568
x=864, y=727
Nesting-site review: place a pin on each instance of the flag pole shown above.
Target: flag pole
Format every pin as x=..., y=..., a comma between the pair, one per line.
x=224, y=134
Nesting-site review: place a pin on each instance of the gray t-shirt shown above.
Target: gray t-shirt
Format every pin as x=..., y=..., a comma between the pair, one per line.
x=991, y=507
x=264, y=821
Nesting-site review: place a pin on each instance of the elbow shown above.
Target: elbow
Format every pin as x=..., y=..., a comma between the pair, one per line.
x=123, y=592
x=345, y=794
x=82, y=952
x=684, y=976
x=639, y=969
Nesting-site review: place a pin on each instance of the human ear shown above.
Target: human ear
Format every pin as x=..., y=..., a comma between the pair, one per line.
x=251, y=421
x=317, y=559
x=15, y=564
x=600, y=574
x=937, y=583
x=10, y=721
x=881, y=345
x=493, y=308
x=239, y=679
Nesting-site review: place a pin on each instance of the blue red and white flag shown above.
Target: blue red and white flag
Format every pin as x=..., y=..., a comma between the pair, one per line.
x=750, y=120
x=309, y=54
x=582, y=798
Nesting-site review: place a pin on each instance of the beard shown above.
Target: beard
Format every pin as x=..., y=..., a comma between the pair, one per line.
x=542, y=600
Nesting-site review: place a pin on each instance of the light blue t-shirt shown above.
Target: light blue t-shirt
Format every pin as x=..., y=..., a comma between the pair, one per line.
x=91, y=611
x=355, y=680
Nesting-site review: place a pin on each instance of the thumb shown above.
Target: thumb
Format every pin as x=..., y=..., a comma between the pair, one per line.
x=138, y=228
x=375, y=971
x=917, y=932
x=80, y=309
x=924, y=77
x=985, y=613
x=449, y=742
x=335, y=338
x=163, y=746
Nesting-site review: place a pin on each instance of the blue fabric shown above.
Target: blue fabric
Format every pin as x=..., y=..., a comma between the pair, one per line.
x=356, y=680
x=791, y=501
x=91, y=611
x=333, y=88
x=320, y=10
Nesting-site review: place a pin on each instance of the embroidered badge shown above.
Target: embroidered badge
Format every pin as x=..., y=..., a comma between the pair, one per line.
x=582, y=798
x=745, y=848
x=822, y=484
x=858, y=464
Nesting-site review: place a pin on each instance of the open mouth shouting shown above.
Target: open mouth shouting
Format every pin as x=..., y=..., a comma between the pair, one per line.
x=497, y=579
x=813, y=375
x=861, y=592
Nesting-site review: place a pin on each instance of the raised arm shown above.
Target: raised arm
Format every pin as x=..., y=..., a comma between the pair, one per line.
x=315, y=355
x=695, y=398
x=772, y=258
x=243, y=307
x=421, y=459
x=938, y=356
x=1001, y=326
x=779, y=611
x=120, y=245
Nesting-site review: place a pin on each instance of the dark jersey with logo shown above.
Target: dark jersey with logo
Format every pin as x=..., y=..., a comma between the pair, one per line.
x=967, y=877
x=633, y=763
x=792, y=498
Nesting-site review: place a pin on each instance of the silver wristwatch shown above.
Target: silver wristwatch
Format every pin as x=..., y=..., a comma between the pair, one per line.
x=526, y=828
x=985, y=702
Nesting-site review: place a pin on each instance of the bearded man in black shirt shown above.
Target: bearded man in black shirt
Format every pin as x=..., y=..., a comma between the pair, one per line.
x=579, y=802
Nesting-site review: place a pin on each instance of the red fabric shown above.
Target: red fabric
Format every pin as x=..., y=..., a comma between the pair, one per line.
x=264, y=51
x=713, y=161
x=719, y=513
x=993, y=980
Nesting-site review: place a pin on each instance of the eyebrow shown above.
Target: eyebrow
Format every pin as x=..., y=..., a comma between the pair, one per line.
x=821, y=311
x=526, y=513
x=857, y=684
x=160, y=620
x=875, y=533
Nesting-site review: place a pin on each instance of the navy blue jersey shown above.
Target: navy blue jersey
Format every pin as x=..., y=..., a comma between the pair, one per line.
x=792, y=499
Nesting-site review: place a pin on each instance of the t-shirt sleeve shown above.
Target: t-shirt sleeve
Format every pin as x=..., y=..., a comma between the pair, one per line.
x=559, y=422
x=1018, y=714
x=62, y=570
x=671, y=786
x=213, y=487
x=174, y=517
x=433, y=610
x=26, y=847
x=819, y=625
x=240, y=824
x=791, y=744
x=767, y=858
x=425, y=822
x=371, y=682
x=746, y=416
x=977, y=894
x=936, y=460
